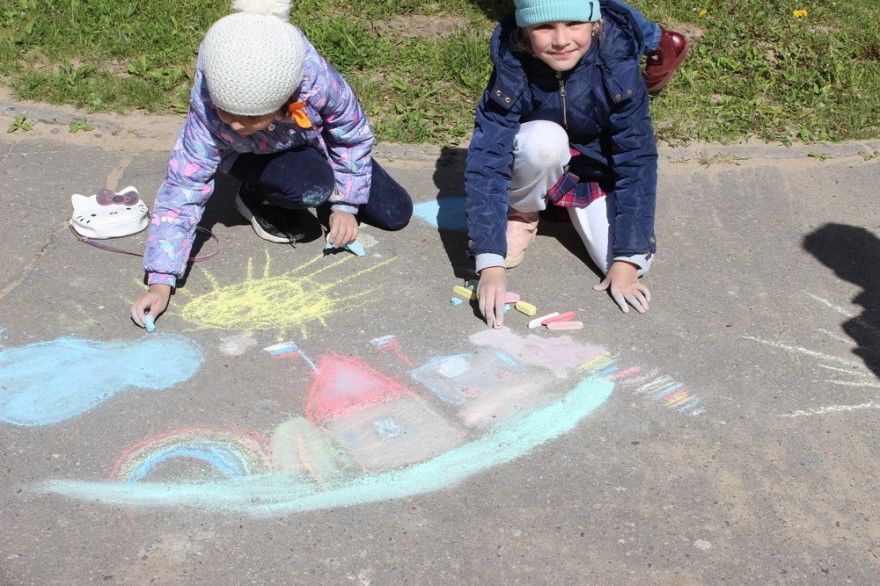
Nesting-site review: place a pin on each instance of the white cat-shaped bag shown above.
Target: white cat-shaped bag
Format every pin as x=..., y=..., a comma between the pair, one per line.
x=109, y=214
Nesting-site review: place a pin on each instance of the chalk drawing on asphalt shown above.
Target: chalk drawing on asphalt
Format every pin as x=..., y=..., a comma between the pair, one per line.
x=846, y=372
x=287, y=303
x=364, y=436
x=49, y=382
x=446, y=213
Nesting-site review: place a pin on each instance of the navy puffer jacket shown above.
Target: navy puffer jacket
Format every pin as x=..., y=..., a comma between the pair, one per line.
x=608, y=122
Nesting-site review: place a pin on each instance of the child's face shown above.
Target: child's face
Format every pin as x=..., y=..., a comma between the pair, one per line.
x=560, y=44
x=246, y=125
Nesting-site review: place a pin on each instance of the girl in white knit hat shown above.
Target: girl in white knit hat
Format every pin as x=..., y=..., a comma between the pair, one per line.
x=270, y=110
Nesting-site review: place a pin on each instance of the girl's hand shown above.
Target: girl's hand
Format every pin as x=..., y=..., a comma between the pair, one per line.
x=490, y=294
x=343, y=228
x=154, y=301
x=623, y=280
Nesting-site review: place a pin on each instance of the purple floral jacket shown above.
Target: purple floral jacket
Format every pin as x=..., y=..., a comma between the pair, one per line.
x=206, y=145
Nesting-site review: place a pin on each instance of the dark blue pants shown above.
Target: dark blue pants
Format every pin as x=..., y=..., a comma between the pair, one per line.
x=302, y=178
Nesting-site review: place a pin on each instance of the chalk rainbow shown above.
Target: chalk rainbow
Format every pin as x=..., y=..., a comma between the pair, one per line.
x=234, y=453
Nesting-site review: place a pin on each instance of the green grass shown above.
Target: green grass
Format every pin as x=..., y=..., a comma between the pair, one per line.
x=755, y=70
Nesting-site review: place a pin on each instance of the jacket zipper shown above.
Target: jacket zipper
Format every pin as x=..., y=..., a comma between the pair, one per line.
x=562, y=96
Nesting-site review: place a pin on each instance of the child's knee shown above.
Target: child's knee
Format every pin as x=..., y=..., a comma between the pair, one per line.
x=542, y=144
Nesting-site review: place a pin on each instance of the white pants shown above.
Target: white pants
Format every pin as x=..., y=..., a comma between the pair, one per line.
x=541, y=153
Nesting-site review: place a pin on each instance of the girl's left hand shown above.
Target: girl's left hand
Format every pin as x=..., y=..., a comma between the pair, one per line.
x=626, y=289
x=343, y=228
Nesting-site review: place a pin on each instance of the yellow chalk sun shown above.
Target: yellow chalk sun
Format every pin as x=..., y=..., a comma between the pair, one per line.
x=284, y=303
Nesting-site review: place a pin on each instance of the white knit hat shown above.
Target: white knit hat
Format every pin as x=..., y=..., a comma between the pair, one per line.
x=253, y=59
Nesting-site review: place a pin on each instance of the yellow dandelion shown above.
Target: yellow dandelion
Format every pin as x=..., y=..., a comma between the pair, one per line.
x=800, y=12
x=702, y=13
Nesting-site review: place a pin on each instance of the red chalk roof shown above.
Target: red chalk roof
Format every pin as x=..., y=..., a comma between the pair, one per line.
x=344, y=384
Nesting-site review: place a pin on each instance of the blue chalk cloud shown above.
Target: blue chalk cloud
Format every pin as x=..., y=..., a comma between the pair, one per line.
x=49, y=382
x=446, y=213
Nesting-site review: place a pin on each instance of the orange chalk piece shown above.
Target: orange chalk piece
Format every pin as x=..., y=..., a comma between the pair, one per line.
x=526, y=308
x=565, y=325
x=464, y=292
x=511, y=297
x=567, y=316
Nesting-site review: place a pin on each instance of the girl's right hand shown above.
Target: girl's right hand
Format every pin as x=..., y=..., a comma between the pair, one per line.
x=155, y=299
x=491, y=291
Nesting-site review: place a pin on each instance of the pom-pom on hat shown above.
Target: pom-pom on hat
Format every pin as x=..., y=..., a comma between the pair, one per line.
x=253, y=58
x=532, y=12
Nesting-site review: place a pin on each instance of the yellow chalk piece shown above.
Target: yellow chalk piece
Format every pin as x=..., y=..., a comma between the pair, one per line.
x=464, y=292
x=565, y=325
x=526, y=308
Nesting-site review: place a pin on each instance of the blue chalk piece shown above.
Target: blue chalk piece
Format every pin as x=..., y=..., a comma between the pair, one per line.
x=356, y=248
x=149, y=323
x=506, y=307
x=455, y=301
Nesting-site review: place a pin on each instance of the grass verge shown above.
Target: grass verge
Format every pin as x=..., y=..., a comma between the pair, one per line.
x=781, y=70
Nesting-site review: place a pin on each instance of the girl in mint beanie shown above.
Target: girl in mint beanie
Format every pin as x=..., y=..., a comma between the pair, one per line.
x=564, y=121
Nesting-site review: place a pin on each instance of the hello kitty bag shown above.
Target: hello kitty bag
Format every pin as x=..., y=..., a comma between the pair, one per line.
x=109, y=214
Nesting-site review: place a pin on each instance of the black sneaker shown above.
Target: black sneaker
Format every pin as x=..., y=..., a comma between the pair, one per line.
x=270, y=222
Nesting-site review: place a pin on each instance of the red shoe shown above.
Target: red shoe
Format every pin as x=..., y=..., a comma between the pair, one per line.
x=662, y=63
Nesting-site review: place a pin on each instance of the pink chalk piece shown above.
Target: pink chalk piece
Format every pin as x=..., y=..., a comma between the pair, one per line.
x=511, y=297
x=565, y=325
x=567, y=316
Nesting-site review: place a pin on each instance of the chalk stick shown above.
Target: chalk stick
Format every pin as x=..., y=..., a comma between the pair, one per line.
x=526, y=308
x=464, y=292
x=511, y=297
x=455, y=301
x=149, y=323
x=539, y=321
x=356, y=248
x=506, y=307
x=566, y=316
x=565, y=325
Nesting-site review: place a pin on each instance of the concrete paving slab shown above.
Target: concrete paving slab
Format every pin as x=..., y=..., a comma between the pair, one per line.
x=298, y=418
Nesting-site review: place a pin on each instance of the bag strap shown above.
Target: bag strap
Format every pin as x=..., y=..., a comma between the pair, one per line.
x=107, y=247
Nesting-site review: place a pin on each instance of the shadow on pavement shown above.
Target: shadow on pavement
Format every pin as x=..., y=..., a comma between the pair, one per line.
x=449, y=180
x=853, y=253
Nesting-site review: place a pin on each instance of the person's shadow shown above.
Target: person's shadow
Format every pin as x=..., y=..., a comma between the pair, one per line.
x=449, y=215
x=494, y=9
x=853, y=253
x=219, y=209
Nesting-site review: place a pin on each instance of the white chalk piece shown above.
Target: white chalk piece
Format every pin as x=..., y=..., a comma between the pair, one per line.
x=538, y=321
x=565, y=325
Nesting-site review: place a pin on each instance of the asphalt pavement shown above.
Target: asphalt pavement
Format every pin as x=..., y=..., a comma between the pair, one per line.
x=302, y=418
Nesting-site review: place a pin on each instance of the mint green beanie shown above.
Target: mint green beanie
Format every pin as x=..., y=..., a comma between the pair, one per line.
x=532, y=12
